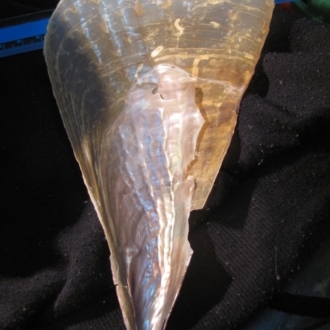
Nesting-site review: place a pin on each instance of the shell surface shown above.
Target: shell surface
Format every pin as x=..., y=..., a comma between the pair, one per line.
x=148, y=92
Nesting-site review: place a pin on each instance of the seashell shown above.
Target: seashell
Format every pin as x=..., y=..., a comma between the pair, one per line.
x=148, y=91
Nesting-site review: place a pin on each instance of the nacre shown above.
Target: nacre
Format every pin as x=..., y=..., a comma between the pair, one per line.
x=148, y=91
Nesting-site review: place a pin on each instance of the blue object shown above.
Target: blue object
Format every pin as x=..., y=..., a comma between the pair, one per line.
x=24, y=33
x=22, y=38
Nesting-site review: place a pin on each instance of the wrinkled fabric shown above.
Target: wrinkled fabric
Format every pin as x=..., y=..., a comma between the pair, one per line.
x=267, y=213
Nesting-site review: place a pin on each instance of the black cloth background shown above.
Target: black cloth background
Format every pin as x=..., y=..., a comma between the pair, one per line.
x=267, y=213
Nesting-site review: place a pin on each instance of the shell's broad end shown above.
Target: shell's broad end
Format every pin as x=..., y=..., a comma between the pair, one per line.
x=148, y=92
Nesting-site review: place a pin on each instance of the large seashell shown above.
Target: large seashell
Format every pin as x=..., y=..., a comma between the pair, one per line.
x=148, y=91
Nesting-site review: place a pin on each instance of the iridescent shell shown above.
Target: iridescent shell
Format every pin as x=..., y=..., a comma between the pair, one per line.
x=148, y=91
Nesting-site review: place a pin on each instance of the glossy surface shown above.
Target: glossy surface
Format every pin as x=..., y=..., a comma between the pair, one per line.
x=150, y=147
x=148, y=92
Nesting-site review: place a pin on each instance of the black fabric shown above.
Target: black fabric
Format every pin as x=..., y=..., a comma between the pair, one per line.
x=301, y=305
x=267, y=213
